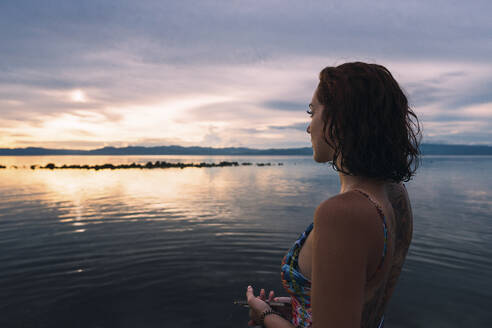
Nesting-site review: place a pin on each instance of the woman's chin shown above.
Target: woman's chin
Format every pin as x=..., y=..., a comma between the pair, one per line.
x=316, y=158
x=319, y=158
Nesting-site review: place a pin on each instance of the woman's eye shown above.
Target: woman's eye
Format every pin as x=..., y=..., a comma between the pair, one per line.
x=309, y=112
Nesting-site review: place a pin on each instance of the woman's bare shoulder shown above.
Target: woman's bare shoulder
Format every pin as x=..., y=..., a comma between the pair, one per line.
x=349, y=207
x=350, y=201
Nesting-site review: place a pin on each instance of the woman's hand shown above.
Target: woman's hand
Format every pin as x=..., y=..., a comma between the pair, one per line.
x=257, y=305
x=286, y=310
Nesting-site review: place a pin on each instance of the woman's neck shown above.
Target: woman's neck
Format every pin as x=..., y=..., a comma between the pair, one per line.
x=350, y=182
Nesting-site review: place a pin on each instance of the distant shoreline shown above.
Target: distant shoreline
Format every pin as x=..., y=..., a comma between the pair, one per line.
x=148, y=165
x=156, y=165
x=426, y=149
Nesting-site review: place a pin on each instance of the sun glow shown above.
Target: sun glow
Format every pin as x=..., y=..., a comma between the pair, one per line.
x=152, y=123
x=78, y=96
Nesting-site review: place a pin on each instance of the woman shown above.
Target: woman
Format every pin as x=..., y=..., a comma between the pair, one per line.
x=343, y=269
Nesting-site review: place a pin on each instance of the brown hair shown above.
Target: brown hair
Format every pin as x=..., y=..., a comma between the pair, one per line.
x=370, y=121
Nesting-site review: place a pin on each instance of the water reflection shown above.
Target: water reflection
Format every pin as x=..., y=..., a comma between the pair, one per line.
x=161, y=244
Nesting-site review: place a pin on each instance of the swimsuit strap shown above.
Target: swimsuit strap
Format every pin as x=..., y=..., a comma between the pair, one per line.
x=381, y=214
x=380, y=211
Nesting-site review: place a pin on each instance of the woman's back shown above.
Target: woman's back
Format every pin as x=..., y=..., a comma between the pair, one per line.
x=396, y=209
x=400, y=227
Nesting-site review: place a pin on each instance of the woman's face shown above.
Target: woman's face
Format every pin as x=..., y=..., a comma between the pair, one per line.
x=322, y=152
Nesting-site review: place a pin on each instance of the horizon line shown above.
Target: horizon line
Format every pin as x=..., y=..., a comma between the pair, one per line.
x=212, y=147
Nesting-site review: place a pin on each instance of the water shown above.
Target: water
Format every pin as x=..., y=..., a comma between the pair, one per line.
x=173, y=247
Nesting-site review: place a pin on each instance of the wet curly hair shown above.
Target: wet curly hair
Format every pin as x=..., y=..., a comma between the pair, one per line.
x=376, y=134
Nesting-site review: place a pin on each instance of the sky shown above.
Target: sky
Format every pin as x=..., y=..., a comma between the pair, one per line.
x=88, y=74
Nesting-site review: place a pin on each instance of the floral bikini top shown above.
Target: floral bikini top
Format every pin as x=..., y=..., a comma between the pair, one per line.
x=299, y=287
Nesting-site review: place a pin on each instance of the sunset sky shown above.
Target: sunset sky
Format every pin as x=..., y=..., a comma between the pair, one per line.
x=88, y=74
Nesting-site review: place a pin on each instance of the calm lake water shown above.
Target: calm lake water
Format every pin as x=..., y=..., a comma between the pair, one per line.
x=173, y=247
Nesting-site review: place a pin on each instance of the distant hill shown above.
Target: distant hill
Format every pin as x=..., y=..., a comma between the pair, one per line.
x=439, y=149
x=427, y=149
x=160, y=150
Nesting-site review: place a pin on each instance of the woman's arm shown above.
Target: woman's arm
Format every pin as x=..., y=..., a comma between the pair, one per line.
x=258, y=305
x=276, y=321
x=340, y=258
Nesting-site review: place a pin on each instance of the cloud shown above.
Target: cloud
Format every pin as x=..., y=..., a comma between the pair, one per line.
x=212, y=138
x=58, y=35
x=462, y=132
x=296, y=126
x=285, y=105
x=257, y=64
